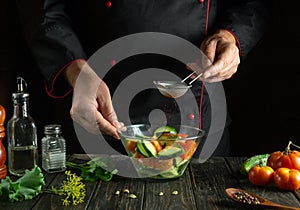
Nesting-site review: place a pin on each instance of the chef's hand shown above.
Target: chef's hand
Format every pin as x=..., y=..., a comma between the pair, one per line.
x=91, y=106
x=220, y=48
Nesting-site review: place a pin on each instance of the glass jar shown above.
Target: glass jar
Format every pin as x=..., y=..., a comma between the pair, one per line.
x=53, y=149
x=21, y=135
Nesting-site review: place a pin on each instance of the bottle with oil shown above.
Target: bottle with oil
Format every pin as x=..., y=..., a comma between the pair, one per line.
x=21, y=134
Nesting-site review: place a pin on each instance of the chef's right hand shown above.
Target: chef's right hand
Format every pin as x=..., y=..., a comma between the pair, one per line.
x=92, y=105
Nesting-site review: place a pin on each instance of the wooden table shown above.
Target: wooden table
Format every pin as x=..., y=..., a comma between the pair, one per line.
x=201, y=187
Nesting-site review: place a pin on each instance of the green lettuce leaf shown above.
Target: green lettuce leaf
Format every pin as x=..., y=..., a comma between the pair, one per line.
x=25, y=188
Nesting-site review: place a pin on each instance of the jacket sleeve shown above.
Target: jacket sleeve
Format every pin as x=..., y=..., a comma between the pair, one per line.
x=247, y=20
x=52, y=41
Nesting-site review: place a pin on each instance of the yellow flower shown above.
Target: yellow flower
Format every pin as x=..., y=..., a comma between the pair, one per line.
x=72, y=188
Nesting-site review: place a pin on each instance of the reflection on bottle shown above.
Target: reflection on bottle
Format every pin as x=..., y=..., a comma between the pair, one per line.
x=21, y=134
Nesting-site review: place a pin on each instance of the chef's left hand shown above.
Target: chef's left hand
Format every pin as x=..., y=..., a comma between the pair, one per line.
x=221, y=50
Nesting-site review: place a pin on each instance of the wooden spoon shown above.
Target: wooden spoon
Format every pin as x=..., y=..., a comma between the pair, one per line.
x=254, y=199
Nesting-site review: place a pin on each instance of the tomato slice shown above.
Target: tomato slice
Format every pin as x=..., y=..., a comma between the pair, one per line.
x=157, y=145
x=161, y=165
x=166, y=136
x=138, y=155
x=182, y=135
x=189, y=148
x=131, y=146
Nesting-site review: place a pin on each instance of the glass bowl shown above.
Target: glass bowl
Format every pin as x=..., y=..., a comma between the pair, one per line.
x=160, y=152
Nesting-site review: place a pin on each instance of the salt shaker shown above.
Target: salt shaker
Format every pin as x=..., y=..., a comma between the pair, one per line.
x=53, y=149
x=21, y=134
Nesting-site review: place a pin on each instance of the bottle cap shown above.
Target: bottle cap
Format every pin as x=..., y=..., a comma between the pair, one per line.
x=22, y=87
x=52, y=129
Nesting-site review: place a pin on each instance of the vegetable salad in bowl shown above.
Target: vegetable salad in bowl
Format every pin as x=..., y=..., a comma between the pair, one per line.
x=160, y=152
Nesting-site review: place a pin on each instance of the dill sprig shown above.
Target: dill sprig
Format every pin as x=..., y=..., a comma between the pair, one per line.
x=72, y=188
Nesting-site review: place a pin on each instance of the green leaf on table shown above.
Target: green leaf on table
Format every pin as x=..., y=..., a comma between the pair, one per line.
x=4, y=186
x=94, y=170
x=25, y=188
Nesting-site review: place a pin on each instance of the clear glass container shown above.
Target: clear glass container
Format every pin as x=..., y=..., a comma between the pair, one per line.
x=53, y=149
x=21, y=135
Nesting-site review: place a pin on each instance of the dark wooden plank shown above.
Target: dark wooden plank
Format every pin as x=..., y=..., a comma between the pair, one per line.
x=79, y=158
x=183, y=200
x=147, y=192
x=105, y=194
x=297, y=194
x=209, y=181
x=270, y=192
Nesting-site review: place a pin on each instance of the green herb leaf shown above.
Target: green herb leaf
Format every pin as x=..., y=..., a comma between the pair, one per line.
x=25, y=188
x=94, y=170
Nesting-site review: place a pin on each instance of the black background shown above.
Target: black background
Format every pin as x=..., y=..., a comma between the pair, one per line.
x=262, y=96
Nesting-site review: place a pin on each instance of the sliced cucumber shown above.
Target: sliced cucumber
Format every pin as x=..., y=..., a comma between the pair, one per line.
x=141, y=149
x=146, y=149
x=182, y=163
x=164, y=129
x=171, y=173
x=142, y=136
x=168, y=136
x=177, y=161
x=150, y=149
x=170, y=151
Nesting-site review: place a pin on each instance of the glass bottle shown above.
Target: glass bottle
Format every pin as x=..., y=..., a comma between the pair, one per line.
x=21, y=134
x=53, y=149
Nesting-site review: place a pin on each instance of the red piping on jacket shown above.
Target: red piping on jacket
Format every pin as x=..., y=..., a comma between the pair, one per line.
x=202, y=89
x=49, y=92
x=207, y=13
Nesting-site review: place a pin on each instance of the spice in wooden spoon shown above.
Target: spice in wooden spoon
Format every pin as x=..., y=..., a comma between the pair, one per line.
x=245, y=197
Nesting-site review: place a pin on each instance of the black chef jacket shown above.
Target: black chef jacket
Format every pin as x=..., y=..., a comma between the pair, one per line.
x=72, y=29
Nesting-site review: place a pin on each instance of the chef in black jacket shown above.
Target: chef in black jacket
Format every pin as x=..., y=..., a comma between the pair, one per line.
x=68, y=32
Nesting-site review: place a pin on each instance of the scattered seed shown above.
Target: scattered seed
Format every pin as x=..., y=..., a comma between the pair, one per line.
x=161, y=194
x=126, y=191
x=117, y=192
x=132, y=196
x=175, y=192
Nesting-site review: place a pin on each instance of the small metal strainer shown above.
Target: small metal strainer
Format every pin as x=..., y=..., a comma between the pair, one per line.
x=175, y=89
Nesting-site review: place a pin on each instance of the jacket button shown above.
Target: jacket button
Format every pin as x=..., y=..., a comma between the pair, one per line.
x=201, y=1
x=191, y=116
x=108, y=4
